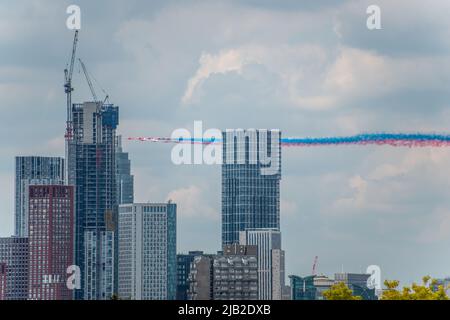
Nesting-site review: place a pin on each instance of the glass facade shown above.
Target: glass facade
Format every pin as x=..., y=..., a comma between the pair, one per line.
x=303, y=288
x=14, y=254
x=125, y=180
x=250, y=183
x=92, y=170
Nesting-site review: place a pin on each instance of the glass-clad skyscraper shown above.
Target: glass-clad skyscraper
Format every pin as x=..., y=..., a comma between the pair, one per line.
x=125, y=180
x=92, y=170
x=251, y=174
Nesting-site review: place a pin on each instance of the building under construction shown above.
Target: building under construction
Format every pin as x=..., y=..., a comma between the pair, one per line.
x=91, y=169
x=90, y=156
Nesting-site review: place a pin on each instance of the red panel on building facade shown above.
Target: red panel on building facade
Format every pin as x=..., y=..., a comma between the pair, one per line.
x=51, y=214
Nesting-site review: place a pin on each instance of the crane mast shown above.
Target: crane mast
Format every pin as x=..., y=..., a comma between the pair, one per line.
x=68, y=88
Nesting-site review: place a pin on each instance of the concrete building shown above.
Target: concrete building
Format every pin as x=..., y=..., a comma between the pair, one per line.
x=14, y=254
x=286, y=293
x=236, y=273
x=50, y=241
x=322, y=283
x=124, y=179
x=184, y=262
x=33, y=170
x=271, y=265
x=147, y=251
x=278, y=274
x=91, y=157
x=201, y=278
x=228, y=275
x=251, y=174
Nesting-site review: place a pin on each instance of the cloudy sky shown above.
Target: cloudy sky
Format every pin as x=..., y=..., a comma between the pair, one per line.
x=309, y=68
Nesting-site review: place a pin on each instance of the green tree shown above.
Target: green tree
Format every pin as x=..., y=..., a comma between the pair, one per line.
x=428, y=290
x=391, y=292
x=340, y=291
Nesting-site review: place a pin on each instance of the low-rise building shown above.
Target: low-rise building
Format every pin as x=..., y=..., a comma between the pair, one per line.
x=184, y=262
x=228, y=275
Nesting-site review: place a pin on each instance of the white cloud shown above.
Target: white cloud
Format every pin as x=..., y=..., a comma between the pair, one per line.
x=387, y=170
x=397, y=182
x=411, y=161
x=191, y=203
x=358, y=199
x=226, y=61
x=358, y=71
x=308, y=77
x=294, y=66
x=288, y=207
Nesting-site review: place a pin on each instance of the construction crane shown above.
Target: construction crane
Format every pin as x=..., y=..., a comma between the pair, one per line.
x=68, y=87
x=91, y=87
x=88, y=79
x=314, y=266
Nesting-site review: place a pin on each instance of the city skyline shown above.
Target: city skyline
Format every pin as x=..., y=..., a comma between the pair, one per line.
x=308, y=69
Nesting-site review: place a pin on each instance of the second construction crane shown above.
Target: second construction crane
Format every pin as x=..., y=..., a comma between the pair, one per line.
x=88, y=79
x=91, y=87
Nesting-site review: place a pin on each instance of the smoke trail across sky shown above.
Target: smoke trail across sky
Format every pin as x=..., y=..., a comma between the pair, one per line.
x=391, y=139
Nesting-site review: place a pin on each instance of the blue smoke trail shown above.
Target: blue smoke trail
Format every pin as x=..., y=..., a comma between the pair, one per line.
x=392, y=139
